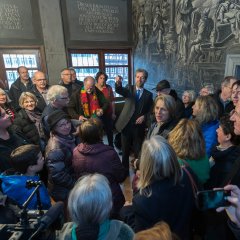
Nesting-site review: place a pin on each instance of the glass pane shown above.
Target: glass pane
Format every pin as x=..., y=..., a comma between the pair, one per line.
x=12, y=75
x=112, y=72
x=116, y=59
x=16, y=60
x=83, y=72
x=88, y=60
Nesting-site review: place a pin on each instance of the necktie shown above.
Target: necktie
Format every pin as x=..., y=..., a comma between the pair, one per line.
x=137, y=95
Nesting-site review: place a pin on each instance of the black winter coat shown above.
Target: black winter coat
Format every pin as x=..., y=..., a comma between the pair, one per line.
x=7, y=146
x=24, y=125
x=224, y=164
x=41, y=104
x=58, y=157
x=221, y=109
x=168, y=202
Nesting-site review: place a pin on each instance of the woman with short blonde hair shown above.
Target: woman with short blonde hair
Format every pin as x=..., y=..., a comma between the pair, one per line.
x=24, y=96
x=205, y=111
x=188, y=143
x=28, y=120
x=164, y=111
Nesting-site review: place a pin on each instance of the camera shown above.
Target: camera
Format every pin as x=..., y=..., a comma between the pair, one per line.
x=211, y=199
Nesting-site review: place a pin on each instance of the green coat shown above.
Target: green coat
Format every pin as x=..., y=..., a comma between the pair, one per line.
x=200, y=167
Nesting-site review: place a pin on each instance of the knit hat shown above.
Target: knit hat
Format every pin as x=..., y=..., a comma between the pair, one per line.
x=163, y=84
x=54, y=117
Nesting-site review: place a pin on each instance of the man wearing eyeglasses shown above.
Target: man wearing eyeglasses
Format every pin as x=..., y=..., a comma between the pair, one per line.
x=40, y=89
x=66, y=81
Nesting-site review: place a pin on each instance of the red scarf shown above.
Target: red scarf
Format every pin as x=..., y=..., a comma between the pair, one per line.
x=89, y=109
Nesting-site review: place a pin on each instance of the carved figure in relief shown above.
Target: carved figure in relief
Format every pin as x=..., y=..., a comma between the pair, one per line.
x=183, y=24
x=204, y=29
x=147, y=18
x=158, y=29
x=141, y=32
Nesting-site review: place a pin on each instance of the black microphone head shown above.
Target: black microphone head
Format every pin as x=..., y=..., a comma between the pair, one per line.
x=52, y=215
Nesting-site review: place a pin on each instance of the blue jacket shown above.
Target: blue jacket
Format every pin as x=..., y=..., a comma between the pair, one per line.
x=210, y=135
x=14, y=187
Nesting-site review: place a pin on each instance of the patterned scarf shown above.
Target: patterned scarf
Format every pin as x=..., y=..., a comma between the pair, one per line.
x=89, y=109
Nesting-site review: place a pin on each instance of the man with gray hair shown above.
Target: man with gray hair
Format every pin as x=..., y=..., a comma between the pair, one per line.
x=223, y=96
x=206, y=90
x=66, y=81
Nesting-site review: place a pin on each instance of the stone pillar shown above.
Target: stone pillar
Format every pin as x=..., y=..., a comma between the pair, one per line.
x=52, y=27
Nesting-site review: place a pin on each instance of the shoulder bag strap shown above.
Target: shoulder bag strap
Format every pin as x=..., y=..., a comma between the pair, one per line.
x=194, y=186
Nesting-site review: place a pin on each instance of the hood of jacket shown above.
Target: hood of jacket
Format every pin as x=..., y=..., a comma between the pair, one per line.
x=93, y=149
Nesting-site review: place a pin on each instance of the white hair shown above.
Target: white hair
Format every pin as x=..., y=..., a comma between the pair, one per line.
x=90, y=201
x=55, y=92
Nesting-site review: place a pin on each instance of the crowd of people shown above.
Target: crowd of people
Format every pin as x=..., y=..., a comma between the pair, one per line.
x=180, y=146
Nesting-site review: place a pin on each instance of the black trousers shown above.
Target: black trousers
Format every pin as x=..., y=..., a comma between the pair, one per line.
x=108, y=128
x=132, y=137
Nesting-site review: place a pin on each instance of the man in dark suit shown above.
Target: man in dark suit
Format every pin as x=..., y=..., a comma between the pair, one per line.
x=132, y=120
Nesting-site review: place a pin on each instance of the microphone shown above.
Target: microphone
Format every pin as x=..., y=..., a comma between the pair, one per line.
x=49, y=218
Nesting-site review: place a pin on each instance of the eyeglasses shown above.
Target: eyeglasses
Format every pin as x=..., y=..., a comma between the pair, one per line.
x=64, y=98
x=40, y=80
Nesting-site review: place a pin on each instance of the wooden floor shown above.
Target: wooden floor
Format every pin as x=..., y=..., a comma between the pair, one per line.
x=127, y=187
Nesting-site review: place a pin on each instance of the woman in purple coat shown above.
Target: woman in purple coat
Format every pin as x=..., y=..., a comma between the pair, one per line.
x=93, y=156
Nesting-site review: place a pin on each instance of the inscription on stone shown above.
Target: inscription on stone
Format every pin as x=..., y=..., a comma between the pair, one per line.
x=10, y=17
x=97, y=18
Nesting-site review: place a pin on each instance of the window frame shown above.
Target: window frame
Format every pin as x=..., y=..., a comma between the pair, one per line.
x=36, y=50
x=102, y=66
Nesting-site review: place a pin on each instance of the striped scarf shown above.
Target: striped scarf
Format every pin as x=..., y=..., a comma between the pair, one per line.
x=89, y=109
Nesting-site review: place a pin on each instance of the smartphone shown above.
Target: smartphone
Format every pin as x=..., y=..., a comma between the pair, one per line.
x=211, y=199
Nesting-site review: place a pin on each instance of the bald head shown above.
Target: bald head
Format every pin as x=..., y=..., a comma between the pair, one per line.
x=89, y=83
x=39, y=79
x=23, y=73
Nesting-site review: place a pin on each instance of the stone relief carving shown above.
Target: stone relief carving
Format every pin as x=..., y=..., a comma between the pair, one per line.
x=185, y=41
